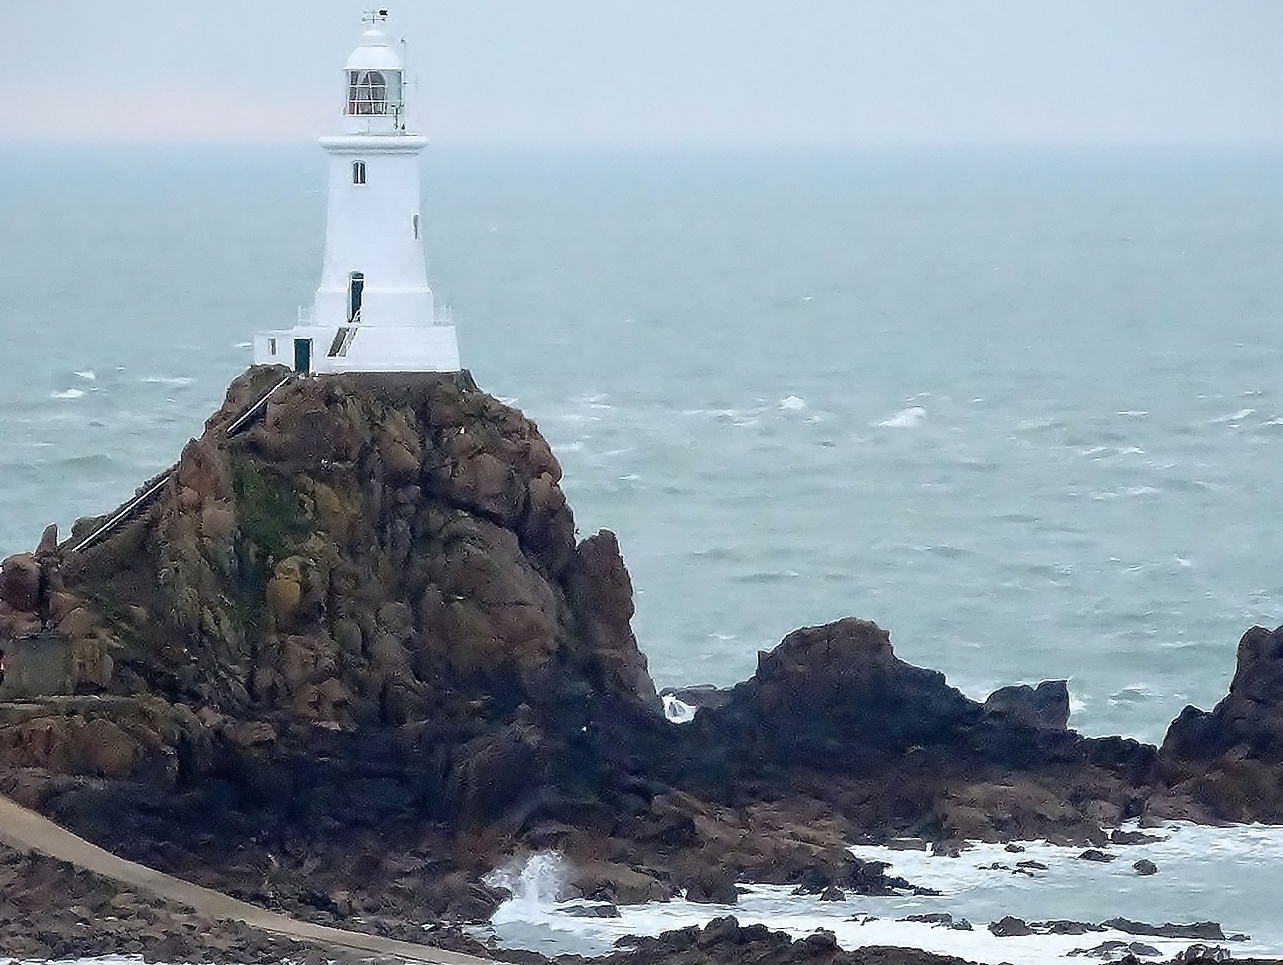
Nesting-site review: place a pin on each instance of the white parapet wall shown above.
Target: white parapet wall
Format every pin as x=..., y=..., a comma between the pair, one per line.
x=306, y=349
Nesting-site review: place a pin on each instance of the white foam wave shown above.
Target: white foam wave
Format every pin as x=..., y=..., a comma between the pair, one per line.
x=908, y=418
x=792, y=403
x=535, y=882
x=678, y=711
x=67, y=394
x=1238, y=416
x=1223, y=874
x=88, y=375
x=168, y=380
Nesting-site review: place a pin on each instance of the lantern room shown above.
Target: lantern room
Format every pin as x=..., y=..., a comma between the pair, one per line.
x=375, y=82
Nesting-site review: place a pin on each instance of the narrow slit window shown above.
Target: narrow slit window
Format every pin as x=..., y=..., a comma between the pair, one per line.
x=358, y=172
x=271, y=346
x=416, y=227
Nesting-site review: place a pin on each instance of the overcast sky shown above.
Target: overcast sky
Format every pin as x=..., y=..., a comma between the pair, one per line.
x=662, y=72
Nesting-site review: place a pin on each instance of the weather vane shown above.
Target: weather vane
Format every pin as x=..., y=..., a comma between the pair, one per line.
x=376, y=16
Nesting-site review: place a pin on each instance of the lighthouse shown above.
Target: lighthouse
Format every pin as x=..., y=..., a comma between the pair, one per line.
x=373, y=310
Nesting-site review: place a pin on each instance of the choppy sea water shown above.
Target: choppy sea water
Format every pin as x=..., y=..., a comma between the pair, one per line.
x=1022, y=410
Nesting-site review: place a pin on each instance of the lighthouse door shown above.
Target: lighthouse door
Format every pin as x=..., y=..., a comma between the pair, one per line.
x=303, y=356
x=355, y=290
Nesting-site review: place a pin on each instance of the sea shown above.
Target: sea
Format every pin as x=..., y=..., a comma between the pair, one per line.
x=1023, y=409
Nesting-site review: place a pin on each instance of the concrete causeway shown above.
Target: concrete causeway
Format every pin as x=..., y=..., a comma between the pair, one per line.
x=25, y=830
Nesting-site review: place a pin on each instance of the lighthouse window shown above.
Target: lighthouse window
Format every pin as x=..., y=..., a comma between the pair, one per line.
x=416, y=227
x=367, y=92
x=358, y=172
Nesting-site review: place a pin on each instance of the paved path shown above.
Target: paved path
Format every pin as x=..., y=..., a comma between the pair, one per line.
x=27, y=831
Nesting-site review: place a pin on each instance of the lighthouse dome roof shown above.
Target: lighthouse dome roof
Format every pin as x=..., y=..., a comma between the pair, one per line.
x=375, y=53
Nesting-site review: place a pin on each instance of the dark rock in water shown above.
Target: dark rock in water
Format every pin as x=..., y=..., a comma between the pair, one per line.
x=1203, y=953
x=617, y=884
x=1111, y=948
x=1203, y=930
x=1145, y=867
x=1064, y=927
x=1119, y=836
x=1046, y=706
x=714, y=886
x=1228, y=764
x=836, y=697
x=1010, y=927
x=821, y=941
x=724, y=941
x=1093, y=854
x=603, y=910
x=833, y=893
x=1031, y=865
x=941, y=919
x=908, y=844
x=1014, y=848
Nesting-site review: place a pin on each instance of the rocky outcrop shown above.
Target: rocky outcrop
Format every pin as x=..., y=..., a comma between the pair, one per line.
x=1227, y=764
x=350, y=660
x=833, y=713
x=1045, y=706
x=725, y=940
x=369, y=611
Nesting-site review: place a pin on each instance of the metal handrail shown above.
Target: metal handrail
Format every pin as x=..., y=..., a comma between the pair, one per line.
x=150, y=493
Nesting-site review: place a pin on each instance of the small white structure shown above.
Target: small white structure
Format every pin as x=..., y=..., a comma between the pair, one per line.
x=373, y=311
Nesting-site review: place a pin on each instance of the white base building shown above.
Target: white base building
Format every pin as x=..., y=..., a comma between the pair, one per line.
x=373, y=310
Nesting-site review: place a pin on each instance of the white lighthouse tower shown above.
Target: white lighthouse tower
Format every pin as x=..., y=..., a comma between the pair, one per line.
x=373, y=310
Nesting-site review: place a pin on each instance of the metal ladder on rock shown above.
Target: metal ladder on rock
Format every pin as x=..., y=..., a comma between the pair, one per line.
x=145, y=496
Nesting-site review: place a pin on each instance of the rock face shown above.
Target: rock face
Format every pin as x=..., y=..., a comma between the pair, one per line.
x=370, y=608
x=1228, y=764
x=832, y=712
x=1045, y=706
x=350, y=660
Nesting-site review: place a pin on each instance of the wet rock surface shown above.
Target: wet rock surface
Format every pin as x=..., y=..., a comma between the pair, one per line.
x=53, y=911
x=1227, y=764
x=724, y=941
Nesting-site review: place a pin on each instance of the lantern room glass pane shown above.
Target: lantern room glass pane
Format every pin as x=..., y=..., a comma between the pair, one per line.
x=374, y=93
